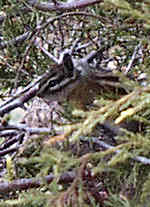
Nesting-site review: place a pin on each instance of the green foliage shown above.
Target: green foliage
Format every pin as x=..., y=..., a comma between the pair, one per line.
x=146, y=191
x=124, y=181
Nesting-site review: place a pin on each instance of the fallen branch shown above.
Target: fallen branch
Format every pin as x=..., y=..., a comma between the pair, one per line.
x=23, y=184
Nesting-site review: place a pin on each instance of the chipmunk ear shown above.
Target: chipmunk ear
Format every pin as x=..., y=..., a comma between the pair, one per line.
x=68, y=65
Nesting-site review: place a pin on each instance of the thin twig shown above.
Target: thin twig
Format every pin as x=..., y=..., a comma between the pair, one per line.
x=143, y=160
x=52, y=57
x=17, y=40
x=28, y=35
x=132, y=58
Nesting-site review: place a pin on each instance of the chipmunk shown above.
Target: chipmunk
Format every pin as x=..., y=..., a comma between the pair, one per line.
x=77, y=83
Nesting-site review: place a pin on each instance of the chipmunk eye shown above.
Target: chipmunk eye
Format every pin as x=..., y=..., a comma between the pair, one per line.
x=53, y=83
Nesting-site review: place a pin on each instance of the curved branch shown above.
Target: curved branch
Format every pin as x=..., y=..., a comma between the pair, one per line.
x=61, y=6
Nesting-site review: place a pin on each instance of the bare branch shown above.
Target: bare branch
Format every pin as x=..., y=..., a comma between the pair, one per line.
x=52, y=57
x=28, y=35
x=18, y=40
x=7, y=151
x=25, y=128
x=18, y=102
x=141, y=159
x=23, y=184
x=8, y=133
x=12, y=141
x=132, y=58
x=61, y=6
